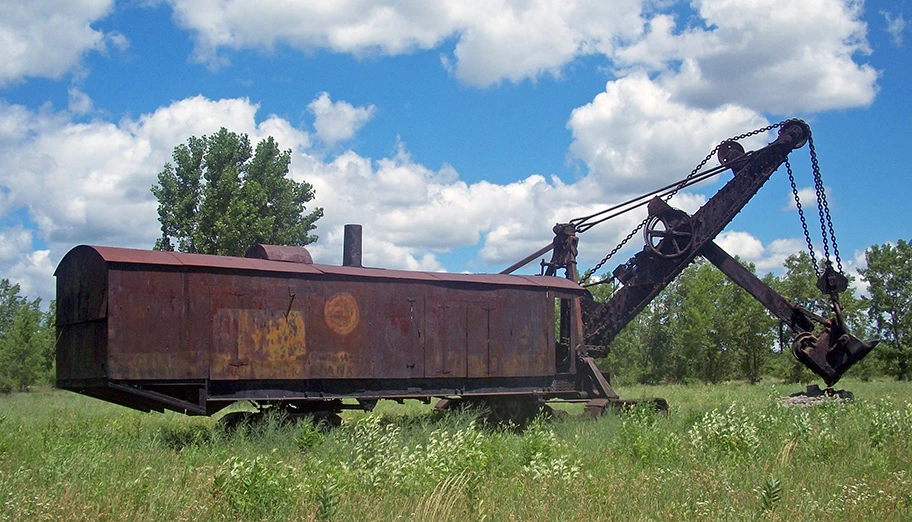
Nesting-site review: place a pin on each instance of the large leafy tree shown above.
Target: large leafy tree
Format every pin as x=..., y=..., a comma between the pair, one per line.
x=219, y=196
x=745, y=329
x=889, y=278
x=642, y=351
x=10, y=303
x=26, y=340
x=722, y=328
x=694, y=296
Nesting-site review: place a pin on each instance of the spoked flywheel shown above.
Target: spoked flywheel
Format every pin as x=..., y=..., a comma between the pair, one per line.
x=669, y=234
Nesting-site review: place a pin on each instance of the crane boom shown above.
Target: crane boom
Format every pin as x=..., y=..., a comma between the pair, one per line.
x=673, y=239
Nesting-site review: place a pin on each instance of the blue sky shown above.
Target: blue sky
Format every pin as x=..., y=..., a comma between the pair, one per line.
x=456, y=132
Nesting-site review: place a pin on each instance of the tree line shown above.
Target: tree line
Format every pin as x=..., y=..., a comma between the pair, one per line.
x=705, y=328
x=26, y=340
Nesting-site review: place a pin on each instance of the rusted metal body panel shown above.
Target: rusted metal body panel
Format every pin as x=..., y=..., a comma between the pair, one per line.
x=81, y=312
x=190, y=332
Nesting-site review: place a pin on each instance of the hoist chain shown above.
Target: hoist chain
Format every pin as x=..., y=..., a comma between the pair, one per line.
x=807, y=235
x=671, y=194
x=826, y=222
x=828, y=235
x=614, y=250
x=824, y=208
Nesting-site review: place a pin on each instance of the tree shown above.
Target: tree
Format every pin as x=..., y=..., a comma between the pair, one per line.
x=749, y=331
x=26, y=339
x=641, y=353
x=889, y=278
x=696, y=322
x=10, y=302
x=701, y=326
x=221, y=197
x=723, y=330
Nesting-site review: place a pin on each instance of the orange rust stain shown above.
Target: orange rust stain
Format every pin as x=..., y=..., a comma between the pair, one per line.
x=341, y=313
x=270, y=336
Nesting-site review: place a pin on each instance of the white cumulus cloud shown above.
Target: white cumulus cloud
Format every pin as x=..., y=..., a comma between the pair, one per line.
x=896, y=27
x=338, y=121
x=495, y=40
x=794, y=57
x=799, y=56
x=766, y=258
x=741, y=244
x=635, y=135
x=48, y=38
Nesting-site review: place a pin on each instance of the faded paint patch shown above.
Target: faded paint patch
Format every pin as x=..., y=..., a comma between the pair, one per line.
x=341, y=313
x=257, y=344
x=270, y=335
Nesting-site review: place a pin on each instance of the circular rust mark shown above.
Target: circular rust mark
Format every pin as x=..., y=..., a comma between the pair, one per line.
x=341, y=313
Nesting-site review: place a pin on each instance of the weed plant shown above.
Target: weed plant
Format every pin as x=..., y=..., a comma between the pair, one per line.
x=725, y=452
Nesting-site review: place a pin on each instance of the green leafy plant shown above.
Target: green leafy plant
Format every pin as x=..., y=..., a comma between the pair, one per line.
x=327, y=501
x=731, y=432
x=253, y=488
x=770, y=494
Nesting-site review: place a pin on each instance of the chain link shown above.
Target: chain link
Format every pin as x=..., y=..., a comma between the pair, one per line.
x=671, y=194
x=807, y=235
x=824, y=208
x=827, y=233
x=614, y=250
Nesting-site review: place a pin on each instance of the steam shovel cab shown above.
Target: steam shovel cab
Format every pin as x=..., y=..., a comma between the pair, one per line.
x=195, y=333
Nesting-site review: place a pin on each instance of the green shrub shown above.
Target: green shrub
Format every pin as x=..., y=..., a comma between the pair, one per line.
x=545, y=456
x=255, y=488
x=732, y=432
x=645, y=436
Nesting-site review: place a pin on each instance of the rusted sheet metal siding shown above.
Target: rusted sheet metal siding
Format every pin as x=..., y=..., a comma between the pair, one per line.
x=149, y=316
x=523, y=334
x=502, y=333
x=197, y=325
x=257, y=328
x=82, y=351
x=280, y=328
x=81, y=315
x=82, y=279
x=478, y=337
x=148, y=336
x=447, y=332
x=396, y=315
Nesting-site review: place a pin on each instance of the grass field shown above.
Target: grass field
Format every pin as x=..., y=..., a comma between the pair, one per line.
x=725, y=452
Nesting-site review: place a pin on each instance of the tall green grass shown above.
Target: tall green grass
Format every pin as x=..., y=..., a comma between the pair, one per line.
x=726, y=452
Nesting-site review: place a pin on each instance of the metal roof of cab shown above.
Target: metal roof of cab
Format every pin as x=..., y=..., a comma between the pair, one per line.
x=130, y=256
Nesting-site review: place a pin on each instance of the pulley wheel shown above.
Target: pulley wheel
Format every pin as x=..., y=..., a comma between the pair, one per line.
x=729, y=151
x=669, y=235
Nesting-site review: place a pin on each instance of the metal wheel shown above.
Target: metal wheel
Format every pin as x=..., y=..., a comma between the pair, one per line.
x=234, y=420
x=518, y=410
x=729, y=151
x=669, y=235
